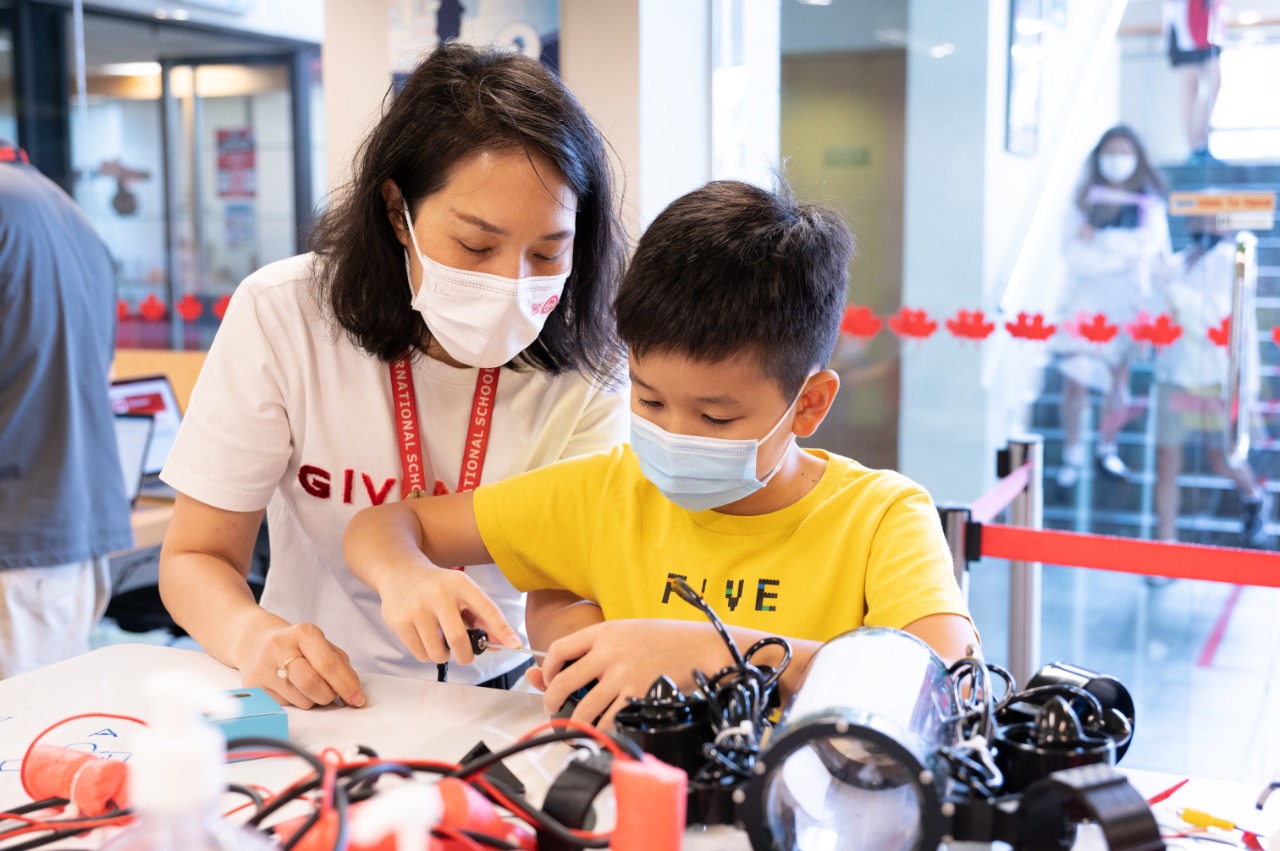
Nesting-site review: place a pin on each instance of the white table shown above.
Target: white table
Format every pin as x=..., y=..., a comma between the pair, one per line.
x=405, y=719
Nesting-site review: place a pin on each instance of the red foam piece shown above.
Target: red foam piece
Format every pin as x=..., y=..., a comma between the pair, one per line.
x=95, y=785
x=651, y=805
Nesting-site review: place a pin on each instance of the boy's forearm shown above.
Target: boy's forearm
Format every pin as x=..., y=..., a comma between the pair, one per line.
x=550, y=615
x=380, y=540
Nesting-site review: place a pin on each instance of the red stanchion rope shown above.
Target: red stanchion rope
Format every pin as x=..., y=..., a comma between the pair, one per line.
x=1128, y=555
x=985, y=508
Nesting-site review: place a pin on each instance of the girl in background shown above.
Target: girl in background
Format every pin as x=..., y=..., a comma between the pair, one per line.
x=1117, y=237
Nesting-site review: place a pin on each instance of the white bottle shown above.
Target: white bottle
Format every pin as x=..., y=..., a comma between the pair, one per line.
x=177, y=775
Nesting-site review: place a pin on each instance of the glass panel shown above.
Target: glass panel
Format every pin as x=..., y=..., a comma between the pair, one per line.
x=234, y=175
x=1004, y=284
x=119, y=169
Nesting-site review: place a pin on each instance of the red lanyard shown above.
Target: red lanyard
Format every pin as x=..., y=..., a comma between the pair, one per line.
x=413, y=456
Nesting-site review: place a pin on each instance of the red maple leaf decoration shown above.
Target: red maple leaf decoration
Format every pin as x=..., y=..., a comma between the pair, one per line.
x=1097, y=330
x=1221, y=334
x=152, y=309
x=220, y=307
x=122, y=309
x=912, y=323
x=1030, y=326
x=860, y=322
x=970, y=325
x=190, y=308
x=1162, y=332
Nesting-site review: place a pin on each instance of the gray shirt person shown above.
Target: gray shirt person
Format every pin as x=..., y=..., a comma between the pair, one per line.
x=62, y=497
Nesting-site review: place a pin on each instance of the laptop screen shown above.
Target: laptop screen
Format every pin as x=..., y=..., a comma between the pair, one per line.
x=133, y=438
x=151, y=395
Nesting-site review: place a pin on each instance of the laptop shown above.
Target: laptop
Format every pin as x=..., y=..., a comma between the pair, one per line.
x=153, y=396
x=133, y=439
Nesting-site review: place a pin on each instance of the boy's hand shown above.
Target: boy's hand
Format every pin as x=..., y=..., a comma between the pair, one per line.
x=625, y=657
x=315, y=671
x=430, y=608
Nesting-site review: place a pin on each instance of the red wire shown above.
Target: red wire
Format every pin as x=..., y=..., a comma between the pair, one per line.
x=458, y=836
x=87, y=824
x=595, y=733
x=22, y=774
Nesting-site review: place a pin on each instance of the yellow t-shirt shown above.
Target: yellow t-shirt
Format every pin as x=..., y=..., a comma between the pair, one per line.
x=864, y=547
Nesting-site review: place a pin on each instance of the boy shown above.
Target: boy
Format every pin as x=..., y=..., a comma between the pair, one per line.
x=730, y=309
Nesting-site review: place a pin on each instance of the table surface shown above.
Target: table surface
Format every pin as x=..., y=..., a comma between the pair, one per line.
x=405, y=719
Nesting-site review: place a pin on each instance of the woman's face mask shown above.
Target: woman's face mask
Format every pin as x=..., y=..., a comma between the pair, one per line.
x=480, y=319
x=1117, y=168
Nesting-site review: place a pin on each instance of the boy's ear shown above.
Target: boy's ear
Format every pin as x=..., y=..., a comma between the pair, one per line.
x=395, y=210
x=815, y=401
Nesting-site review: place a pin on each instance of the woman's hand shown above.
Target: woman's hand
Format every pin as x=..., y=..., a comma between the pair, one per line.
x=624, y=657
x=315, y=671
x=430, y=608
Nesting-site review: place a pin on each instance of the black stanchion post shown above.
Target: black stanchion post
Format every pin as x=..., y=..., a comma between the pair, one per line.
x=956, y=523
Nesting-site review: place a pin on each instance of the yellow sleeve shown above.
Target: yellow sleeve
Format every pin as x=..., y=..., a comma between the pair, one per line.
x=538, y=525
x=909, y=572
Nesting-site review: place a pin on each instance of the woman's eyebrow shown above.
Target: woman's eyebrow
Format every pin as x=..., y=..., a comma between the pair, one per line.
x=489, y=227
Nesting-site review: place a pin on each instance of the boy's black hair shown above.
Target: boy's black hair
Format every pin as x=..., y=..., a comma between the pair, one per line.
x=732, y=268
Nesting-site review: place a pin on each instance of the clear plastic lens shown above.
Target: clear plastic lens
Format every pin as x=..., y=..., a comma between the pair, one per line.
x=843, y=793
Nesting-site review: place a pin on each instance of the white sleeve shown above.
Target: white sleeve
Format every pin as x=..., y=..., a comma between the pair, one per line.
x=235, y=441
x=605, y=421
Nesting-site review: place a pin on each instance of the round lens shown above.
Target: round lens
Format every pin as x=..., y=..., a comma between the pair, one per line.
x=841, y=793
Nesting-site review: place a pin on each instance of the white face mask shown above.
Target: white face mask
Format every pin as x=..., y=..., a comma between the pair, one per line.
x=481, y=319
x=700, y=473
x=1117, y=168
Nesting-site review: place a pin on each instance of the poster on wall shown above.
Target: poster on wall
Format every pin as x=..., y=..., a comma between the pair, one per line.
x=237, y=169
x=529, y=26
x=241, y=228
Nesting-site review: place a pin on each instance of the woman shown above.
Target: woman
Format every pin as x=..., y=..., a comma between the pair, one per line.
x=451, y=324
x=1117, y=233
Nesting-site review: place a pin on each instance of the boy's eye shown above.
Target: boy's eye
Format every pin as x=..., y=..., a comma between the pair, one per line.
x=648, y=403
x=714, y=421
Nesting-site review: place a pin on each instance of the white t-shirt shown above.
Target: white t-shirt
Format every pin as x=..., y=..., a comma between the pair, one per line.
x=289, y=415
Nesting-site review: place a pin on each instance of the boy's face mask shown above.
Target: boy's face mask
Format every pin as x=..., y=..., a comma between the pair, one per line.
x=481, y=319
x=700, y=473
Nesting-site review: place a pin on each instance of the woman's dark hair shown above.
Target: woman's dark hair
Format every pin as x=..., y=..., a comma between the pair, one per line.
x=731, y=268
x=461, y=101
x=1145, y=180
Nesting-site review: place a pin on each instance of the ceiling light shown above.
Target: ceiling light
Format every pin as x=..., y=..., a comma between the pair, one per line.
x=1248, y=19
x=129, y=69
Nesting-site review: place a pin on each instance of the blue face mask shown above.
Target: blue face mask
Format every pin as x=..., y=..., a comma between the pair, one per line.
x=699, y=473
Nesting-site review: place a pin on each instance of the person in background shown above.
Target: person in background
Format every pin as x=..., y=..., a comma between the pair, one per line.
x=63, y=506
x=730, y=310
x=1190, y=375
x=1194, y=34
x=451, y=327
x=1116, y=235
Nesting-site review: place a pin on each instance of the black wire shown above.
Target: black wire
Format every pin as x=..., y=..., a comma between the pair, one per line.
x=56, y=834
x=738, y=693
x=486, y=839
x=47, y=803
x=479, y=765
x=252, y=794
